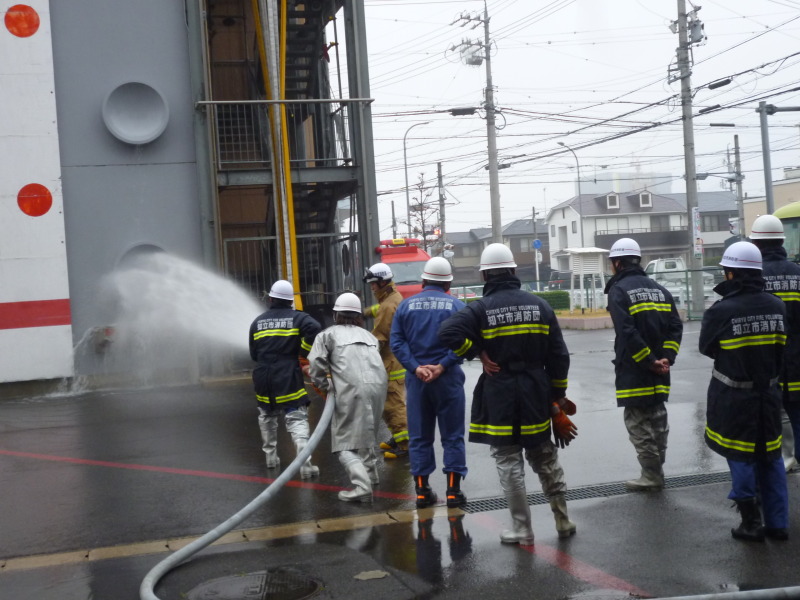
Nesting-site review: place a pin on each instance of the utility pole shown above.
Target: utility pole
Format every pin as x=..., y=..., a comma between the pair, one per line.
x=737, y=165
x=695, y=247
x=394, y=223
x=489, y=107
x=441, y=206
x=535, y=249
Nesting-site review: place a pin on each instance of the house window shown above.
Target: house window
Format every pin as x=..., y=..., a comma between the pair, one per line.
x=612, y=201
x=468, y=250
x=659, y=222
x=552, y=231
x=645, y=200
x=526, y=244
x=574, y=227
x=715, y=223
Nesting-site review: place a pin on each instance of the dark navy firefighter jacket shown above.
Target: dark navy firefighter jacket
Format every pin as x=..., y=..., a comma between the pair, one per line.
x=278, y=337
x=648, y=328
x=782, y=278
x=745, y=334
x=520, y=332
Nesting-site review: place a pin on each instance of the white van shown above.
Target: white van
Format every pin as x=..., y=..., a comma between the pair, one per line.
x=673, y=275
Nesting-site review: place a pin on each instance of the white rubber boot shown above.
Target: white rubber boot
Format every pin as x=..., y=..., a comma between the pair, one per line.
x=362, y=490
x=564, y=526
x=370, y=461
x=269, y=437
x=652, y=477
x=521, y=531
x=297, y=426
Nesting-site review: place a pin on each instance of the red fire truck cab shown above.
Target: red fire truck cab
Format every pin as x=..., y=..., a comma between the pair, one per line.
x=406, y=260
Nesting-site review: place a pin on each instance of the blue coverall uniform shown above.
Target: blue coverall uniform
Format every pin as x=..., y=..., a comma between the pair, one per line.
x=414, y=342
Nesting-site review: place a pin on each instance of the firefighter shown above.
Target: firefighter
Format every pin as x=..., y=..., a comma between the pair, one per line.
x=278, y=338
x=358, y=382
x=745, y=334
x=522, y=388
x=435, y=392
x=648, y=336
x=379, y=276
x=782, y=278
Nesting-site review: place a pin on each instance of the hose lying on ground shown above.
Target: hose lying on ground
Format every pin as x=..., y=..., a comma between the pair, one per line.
x=146, y=589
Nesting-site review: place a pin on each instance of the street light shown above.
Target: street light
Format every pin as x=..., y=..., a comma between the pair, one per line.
x=580, y=203
x=405, y=168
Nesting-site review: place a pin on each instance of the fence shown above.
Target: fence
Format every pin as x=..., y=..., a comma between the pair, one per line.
x=318, y=132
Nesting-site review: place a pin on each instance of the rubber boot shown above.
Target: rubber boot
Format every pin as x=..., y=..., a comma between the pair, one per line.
x=357, y=472
x=370, y=462
x=751, y=528
x=297, y=426
x=455, y=497
x=521, y=531
x=269, y=437
x=425, y=495
x=652, y=477
x=564, y=527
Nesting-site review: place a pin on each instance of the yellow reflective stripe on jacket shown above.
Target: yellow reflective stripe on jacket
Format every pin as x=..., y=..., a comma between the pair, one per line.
x=641, y=354
x=305, y=345
x=645, y=391
x=792, y=386
x=372, y=311
x=643, y=306
x=753, y=340
x=275, y=332
x=464, y=348
x=788, y=296
x=500, y=430
x=668, y=345
x=287, y=398
x=521, y=329
x=558, y=383
x=732, y=444
x=395, y=375
x=775, y=444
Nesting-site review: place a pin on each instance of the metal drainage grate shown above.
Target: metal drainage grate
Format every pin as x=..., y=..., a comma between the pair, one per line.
x=281, y=583
x=603, y=490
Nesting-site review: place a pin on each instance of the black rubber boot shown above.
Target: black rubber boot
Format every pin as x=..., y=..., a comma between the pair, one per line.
x=751, y=528
x=425, y=495
x=455, y=497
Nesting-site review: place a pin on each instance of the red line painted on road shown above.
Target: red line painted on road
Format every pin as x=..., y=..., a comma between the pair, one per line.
x=194, y=473
x=36, y=313
x=570, y=564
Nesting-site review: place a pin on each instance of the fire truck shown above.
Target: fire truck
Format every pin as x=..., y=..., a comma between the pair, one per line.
x=407, y=260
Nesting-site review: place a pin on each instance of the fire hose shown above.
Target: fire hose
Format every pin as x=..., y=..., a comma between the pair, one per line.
x=147, y=588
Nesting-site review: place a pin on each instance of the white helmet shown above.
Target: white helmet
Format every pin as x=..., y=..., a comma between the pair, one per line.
x=282, y=290
x=742, y=255
x=437, y=269
x=347, y=302
x=378, y=272
x=497, y=256
x=767, y=227
x=625, y=247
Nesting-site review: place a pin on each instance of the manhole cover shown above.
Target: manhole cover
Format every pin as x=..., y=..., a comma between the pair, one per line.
x=276, y=584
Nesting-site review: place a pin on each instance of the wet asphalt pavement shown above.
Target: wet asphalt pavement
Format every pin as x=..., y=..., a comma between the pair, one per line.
x=98, y=487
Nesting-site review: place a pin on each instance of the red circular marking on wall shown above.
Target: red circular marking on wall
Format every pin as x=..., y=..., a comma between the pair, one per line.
x=34, y=200
x=22, y=20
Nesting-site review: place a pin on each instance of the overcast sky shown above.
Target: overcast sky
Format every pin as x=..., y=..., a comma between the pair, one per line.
x=580, y=72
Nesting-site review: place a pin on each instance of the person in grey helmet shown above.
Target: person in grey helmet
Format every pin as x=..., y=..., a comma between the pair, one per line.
x=357, y=385
x=279, y=337
x=648, y=336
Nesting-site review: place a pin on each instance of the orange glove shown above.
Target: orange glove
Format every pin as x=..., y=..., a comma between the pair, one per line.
x=567, y=405
x=564, y=430
x=304, y=367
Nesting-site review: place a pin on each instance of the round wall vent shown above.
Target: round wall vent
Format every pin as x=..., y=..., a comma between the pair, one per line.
x=135, y=113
